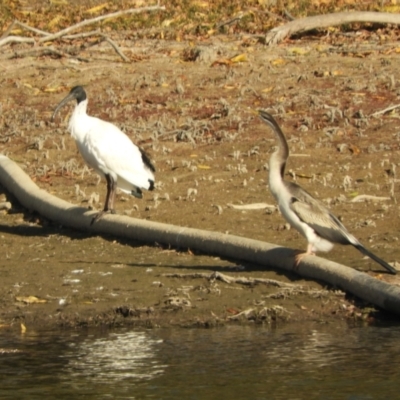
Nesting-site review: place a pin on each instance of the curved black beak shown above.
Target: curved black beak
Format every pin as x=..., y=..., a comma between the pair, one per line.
x=71, y=96
x=77, y=93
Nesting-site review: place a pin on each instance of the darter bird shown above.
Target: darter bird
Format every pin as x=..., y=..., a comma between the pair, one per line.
x=305, y=213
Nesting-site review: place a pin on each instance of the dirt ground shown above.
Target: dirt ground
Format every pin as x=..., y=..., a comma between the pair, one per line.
x=193, y=112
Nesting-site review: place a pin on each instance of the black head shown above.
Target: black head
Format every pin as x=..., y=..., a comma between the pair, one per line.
x=77, y=93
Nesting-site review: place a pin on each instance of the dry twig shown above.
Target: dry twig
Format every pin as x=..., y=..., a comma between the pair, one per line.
x=49, y=37
x=385, y=110
x=240, y=280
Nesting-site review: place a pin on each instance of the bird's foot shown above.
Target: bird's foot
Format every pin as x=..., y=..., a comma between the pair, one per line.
x=100, y=214
x=299, y=255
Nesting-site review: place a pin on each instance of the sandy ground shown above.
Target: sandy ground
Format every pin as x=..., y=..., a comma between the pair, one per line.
x=196, y=120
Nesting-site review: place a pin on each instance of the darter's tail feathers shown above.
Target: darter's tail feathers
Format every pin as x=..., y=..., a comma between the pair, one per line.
x=366, y=252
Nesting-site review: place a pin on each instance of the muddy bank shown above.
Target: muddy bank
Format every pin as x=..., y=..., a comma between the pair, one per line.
x=78, y=280
x=210, y=151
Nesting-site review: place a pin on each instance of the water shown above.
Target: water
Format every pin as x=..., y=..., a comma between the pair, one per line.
x=234, y=362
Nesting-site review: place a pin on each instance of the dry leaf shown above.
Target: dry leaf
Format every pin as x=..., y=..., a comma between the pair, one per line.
x=222, y=61
x=202, y=4
x=96, y=9
x=304, y=176
x=278, y=61
x=268, y=89
x=166, y=23
x=298, y=51
x=395, y=9
x=354, y=149
x=239, y=58
x=54, y=22
x=54, y=89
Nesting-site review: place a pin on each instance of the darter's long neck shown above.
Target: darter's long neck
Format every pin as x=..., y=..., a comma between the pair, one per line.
x=277, y=162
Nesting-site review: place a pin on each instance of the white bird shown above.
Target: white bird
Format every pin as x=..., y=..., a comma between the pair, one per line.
x=305, y=213
x=106, y=149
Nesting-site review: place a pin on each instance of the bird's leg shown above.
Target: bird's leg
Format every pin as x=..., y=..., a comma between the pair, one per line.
x=298, y=257
x=110, y=197
x=111, y=189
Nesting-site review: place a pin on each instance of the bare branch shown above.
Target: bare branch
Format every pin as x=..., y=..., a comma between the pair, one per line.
x=116, y=48
x=4, y=39
x=82, y=35
x=8, y=30
x=30, y=28
x=47, y=37
x=279, y=33
x=16, y=39
x=228, y=279
x=385, y=110
x=98, y=19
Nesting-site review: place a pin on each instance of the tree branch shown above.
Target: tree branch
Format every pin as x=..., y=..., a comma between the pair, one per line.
x=116, y=48
x=48, y=37
x=24, y=26
x=98, y=19
x=279, y=33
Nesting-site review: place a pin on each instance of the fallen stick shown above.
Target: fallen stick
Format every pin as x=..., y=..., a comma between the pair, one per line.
x=385, y=110
x=115, y=47
x=49, y=37
x=86, y=22
x=16, y=39
x=253, y=206
x=360, y=284
x=230, y=279
x=16, y=23
x=280, y=33
x=368, y=197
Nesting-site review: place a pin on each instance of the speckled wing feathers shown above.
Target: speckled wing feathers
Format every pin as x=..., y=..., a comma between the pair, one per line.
x=318, y=217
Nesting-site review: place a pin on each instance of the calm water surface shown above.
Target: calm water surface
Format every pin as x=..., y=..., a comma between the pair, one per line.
x=234, y=362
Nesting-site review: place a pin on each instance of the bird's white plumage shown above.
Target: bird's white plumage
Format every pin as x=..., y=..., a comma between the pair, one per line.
x=106, y=149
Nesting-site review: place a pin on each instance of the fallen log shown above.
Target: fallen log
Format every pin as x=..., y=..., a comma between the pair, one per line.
x=360, y=284
x=276, y=35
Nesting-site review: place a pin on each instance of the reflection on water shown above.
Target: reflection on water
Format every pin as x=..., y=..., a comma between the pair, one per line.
x=293, y=362
x=115, y=357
